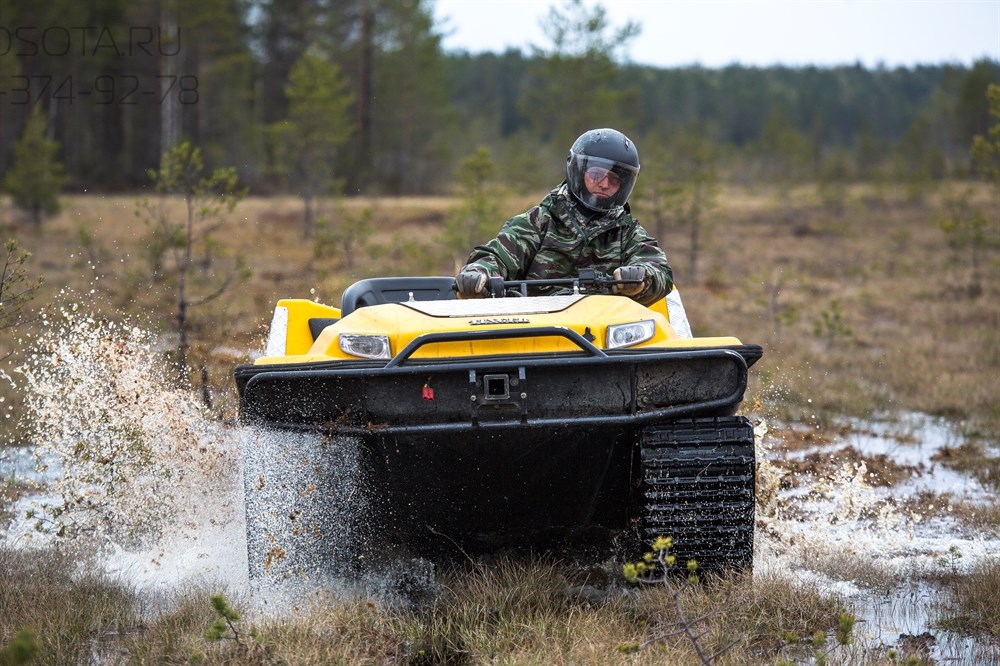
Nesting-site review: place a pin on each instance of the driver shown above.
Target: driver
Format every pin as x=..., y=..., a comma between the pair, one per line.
x=584, y=223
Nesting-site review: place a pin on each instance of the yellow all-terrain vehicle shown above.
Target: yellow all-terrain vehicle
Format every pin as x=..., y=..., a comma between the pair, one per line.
x=547, y=422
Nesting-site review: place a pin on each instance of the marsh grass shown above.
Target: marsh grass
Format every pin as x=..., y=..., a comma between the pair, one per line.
x=11, y=490
x=984, y=519
x=506, y=611
x=532, y=613
x=977, y=518
x=178, y=630
x=908, y=336
x=972, y=458
x=882, y=470
x=975, y=600
x=73, y=612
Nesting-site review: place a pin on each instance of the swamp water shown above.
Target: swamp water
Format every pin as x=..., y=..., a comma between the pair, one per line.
x=140, y=468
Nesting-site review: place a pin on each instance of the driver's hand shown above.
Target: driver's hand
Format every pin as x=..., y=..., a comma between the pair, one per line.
x=471, y=283
x=630, y=273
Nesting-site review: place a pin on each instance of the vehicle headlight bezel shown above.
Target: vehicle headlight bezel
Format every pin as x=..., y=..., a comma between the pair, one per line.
x=366, y=345
x=620, y=336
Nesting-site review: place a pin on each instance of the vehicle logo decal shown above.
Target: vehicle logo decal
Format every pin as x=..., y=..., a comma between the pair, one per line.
x=490, y=321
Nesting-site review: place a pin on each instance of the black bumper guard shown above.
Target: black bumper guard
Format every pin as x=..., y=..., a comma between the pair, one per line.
x=264, y=382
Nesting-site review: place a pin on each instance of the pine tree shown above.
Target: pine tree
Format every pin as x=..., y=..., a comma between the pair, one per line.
x=16, y=287
x=35, y=178
x=478, y=215
x=306, y=144
x=986, y=147
x=576, y=74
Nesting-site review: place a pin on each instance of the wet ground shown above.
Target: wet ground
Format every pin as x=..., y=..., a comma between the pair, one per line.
x=869, y=511
x=872, y=513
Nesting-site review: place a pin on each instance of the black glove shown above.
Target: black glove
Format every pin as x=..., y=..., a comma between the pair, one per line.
x=471, y=283
x=630, y=273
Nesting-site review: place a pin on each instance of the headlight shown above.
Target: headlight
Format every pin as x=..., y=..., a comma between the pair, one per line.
x=626, y=335
x=365, y=346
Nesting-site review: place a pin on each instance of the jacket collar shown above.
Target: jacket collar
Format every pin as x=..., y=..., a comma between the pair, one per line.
x=564, y=206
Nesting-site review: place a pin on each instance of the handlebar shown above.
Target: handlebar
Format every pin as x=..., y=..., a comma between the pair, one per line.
x=587, y=281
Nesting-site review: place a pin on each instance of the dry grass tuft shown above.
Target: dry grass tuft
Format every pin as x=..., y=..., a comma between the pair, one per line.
x=507, y=611
x=976, y=600
x=73, y=612
x=862, y=314
x=973, y=459
x=11, y=490
x=984, y=520
x=882, y=470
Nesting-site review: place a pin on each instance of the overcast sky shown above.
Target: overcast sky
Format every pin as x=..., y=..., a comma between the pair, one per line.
x=715, y=33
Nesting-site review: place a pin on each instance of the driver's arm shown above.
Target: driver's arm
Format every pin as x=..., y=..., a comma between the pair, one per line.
x=512, y=250
x=641, y=249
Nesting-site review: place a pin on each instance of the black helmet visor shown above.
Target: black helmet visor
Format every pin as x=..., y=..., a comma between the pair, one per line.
x=600, y=184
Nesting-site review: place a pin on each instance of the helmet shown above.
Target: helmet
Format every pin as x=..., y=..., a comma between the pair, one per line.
x=599, y=154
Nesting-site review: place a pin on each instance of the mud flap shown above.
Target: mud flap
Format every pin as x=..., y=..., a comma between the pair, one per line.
x=698, y=485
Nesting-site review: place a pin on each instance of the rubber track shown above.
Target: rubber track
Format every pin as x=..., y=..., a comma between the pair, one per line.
x=698, y=481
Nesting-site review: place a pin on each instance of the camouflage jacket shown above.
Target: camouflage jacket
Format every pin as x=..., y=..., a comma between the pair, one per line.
x=557, y=237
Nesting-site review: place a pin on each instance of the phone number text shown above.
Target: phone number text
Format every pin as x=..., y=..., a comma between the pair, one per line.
x=104, y=89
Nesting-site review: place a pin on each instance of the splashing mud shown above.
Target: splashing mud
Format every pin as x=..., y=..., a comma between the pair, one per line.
x=307, y=504
x=123, y=444
x=303, y=502
x=132, y=466
x=839, y=506
x=138, y=468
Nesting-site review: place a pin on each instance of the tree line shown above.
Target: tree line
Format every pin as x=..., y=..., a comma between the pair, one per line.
x=319, y=97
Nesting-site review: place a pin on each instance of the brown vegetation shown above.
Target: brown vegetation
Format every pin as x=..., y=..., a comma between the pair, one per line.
x=977, y=597
x=541, y=612
x=524, y=613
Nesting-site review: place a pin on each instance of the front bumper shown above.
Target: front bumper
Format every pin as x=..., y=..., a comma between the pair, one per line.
x=406, y=395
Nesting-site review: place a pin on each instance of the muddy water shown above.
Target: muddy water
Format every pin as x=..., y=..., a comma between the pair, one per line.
x=141, y=471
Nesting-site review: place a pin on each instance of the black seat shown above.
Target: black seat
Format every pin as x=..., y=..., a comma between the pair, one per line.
x=376, y=291
x=317, y=324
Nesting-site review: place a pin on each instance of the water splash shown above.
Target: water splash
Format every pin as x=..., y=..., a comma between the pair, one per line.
x=844, y=513
x=133, y=468
x=122, y=442
x=837, y=527
x=310, y=533
x=303, y=500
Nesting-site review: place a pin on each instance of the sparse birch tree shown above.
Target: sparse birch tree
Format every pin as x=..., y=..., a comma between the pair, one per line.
x=347, y=240
x=655, y=192
x=679, y=186
x=986, y=149
x=207, y=200
x=701, y=190
x=834, y=175
x=16, y=288
x=784, y=154
x=969, y=230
